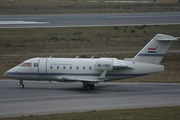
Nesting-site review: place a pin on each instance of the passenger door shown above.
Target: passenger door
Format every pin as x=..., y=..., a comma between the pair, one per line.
x=42, y=70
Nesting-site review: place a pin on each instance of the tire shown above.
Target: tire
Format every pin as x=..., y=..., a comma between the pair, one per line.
x=92, y=86
x=87, y=87
x=21, y=86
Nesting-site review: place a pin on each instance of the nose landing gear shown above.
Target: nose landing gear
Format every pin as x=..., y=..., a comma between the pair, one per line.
x=21, y=84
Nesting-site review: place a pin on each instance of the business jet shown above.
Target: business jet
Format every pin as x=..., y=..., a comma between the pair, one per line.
x=90, y=71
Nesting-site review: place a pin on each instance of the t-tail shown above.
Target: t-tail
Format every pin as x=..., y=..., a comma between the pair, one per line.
x=155, y=50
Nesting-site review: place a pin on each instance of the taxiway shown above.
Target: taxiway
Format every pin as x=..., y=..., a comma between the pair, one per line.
x=39, y=98
x=88, y=20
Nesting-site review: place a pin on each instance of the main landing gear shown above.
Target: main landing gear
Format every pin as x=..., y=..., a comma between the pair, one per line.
x=21, y=84
x=87, y=86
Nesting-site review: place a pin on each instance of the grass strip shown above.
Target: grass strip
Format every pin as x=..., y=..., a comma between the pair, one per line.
x=84, y=6
x=160, y=113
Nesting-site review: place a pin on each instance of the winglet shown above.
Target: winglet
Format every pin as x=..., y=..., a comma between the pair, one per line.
x=102, y=76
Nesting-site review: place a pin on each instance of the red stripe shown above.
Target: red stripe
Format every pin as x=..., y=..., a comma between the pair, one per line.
x=151, y=48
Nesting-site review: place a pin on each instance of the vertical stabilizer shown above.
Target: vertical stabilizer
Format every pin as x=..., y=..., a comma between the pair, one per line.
x=155, y=50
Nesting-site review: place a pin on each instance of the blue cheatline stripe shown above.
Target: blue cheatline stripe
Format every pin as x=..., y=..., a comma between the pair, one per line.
x=100, y=78
x=67, y=74
x=151, y=51
x=72, y=74
x=151, y=55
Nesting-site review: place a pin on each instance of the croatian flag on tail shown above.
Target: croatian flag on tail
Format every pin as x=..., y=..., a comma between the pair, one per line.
x=151, y=50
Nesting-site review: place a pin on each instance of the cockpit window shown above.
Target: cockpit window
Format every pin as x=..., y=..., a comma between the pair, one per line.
x=26, y=64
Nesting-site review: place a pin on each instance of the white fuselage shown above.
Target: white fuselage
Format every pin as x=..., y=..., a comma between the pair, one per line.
x=55, y=69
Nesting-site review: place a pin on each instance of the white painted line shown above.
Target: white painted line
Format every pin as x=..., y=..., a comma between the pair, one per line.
x=21, y=22
x=20, y=18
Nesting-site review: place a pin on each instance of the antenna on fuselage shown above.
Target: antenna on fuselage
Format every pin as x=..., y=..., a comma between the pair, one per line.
x=77, y=56
x=92, y=57
x=50, y=56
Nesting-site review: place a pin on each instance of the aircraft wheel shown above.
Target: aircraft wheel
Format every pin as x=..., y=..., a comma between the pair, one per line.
x=89, y=87
x=21, y=86
x=92, y=86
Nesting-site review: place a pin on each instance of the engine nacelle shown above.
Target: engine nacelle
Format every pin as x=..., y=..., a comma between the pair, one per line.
x=109, y=64
x=118, y=65
x=104, y=64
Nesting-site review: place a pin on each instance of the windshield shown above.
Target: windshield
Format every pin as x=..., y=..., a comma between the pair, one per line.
x=26, y=64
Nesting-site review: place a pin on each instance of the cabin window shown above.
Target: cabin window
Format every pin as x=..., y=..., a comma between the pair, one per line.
x=84, y=67
x=57, y=67
x=70, y=67
x=77, y=67
x=35, y=64
x=90, y=67
x=26, y=64
x=64, y=67
x=51, y=67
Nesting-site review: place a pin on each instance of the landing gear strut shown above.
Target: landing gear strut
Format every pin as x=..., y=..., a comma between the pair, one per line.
x=88, y=86
x=21, y=84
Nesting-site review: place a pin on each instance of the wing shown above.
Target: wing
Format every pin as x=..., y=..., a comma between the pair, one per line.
x=101, y=78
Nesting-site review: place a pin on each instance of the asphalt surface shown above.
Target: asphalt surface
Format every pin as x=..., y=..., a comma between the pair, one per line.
x=39, y=98
x=84, y=20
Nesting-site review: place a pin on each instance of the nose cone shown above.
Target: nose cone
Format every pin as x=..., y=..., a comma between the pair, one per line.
x=5, y=74
x=11, y=73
